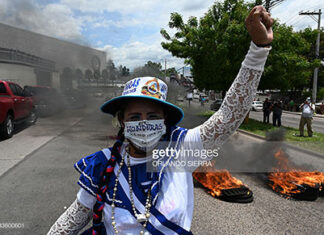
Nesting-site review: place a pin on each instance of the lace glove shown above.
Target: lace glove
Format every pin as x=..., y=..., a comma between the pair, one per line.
x=72, y=220
x=238, y=100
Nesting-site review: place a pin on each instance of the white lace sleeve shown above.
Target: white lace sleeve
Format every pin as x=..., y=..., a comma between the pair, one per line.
x=72, y=220
x=238, y=100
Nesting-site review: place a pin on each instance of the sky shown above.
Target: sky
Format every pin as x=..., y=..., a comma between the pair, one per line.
x=128, y=30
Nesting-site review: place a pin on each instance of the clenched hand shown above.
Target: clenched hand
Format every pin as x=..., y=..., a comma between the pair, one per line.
x=259, y=25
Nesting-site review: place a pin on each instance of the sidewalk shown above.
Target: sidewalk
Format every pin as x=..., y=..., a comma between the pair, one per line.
x=299, y=113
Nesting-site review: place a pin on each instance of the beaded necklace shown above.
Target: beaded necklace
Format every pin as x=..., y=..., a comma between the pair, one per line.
x=139, y=217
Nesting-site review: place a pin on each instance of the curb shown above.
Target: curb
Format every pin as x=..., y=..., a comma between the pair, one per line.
x=298, y=114
x=288, y=145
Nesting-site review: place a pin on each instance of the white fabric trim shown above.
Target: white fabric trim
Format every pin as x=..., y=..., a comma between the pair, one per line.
x=88, y=177
x=87, y=188
x=107, y=153
x=146, y=183
x=84, y=162
x=107, y=194
x=256, y=57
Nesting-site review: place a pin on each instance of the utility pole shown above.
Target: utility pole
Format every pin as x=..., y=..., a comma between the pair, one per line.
x=314, y=93
x=165, y=72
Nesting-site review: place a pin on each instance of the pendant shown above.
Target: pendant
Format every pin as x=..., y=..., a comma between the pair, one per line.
x=141, y=218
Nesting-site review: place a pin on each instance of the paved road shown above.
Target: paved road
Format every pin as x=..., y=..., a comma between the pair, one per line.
x=37, y=190
x=292, y=120
x=29, y=138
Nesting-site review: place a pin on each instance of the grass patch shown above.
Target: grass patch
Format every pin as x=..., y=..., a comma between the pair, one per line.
x=315, y=143
x=206, y=114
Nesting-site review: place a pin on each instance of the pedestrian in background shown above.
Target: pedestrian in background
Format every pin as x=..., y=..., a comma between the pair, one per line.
x=202, y=100
x=189, y=97
x=322, y=108
x=291, y=105
x=306, y=117
x=266, y=110
x=277, y=112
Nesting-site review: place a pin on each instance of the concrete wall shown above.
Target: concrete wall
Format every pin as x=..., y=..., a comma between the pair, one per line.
x=21, y=74
x=63, y=53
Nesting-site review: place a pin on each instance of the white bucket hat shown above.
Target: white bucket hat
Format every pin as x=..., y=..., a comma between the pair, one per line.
x=145, y=88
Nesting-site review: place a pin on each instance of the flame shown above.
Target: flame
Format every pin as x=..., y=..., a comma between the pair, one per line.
x=216, y=181
x=287, y=179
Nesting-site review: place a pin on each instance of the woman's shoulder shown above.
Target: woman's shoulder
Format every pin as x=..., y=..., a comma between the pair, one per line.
x=175, y=132
x=99, y=157
x=90, y=168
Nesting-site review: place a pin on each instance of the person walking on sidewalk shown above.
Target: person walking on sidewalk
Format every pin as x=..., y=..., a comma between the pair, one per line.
x=277, y=112
x=266, y=110
x=306, y=117
x=189, y=97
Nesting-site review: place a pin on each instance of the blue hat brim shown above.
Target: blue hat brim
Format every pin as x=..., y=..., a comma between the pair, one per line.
x=174, y=113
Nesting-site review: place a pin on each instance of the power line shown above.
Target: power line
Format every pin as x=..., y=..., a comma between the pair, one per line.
x=298, y=21
x=292, y=19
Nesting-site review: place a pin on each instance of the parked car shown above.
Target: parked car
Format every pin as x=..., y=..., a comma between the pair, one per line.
x=74, y=99
x=216, y=104
x=16, y=105
x=196, y=96
x=180, y=98
x=47, y=100
x=257, y=105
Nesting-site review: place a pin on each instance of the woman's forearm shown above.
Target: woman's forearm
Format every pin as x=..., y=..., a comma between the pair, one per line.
x=72, y=220
x=238, y=100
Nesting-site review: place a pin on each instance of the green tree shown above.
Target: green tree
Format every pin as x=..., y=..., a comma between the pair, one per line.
x=149, y=69
x=123, y=71
x=311, y=35
x=112, y=70
x=216, y=44
x=213, y=46
x=320, y=94
x=171, y=71
x=105, y=75
x=288, y=65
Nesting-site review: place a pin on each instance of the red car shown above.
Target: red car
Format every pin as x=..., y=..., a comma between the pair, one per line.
x=16, y=106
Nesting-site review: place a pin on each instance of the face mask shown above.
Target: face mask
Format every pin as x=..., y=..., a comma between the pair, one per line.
x=145, y=134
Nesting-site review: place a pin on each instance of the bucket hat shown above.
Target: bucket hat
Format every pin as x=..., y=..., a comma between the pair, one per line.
x=150, y=88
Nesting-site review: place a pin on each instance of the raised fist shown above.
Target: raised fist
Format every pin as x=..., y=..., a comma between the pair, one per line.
x=259, y=25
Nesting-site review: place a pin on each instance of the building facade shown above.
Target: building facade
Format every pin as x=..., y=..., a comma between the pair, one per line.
x=33, y=59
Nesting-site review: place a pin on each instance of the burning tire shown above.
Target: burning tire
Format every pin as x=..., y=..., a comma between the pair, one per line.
x=321, y=190
x=292, y=182
x=222, y=185
x=239, y=195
